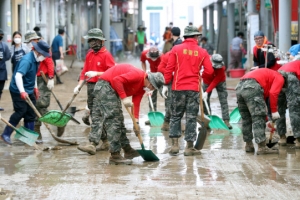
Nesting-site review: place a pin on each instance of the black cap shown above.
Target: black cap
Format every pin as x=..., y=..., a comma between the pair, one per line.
x=175, y=31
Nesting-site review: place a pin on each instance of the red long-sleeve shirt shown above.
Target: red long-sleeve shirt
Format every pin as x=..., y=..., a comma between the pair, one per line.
x=100, y=62
x=163, y=63
x=293, y=67
x=47, y=66
x=127, y=80
x=185, y=61
x=153, y=63
x=215, y=79
x=271, y=81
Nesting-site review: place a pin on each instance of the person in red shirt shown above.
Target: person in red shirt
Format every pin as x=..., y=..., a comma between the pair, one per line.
x=97, y=60
x=218, y=81
x=153, y=57
x=289, y=98
x=117, y=85
x=42, y=104
x=251, y=92
x=185, y=62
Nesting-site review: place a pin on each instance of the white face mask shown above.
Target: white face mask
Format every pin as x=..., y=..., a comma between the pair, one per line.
x=40, y=58
x=17, y=40
x=146, y=89
x=29, y=45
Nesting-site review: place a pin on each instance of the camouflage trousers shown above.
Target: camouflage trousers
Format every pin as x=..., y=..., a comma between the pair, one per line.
x=222, y=94
x=168, y=103
x=107, y=111
x=291, y=99
x=90, y=102
x=154, y=100
x=43, y=101
x=252, y=107
x=184, y=102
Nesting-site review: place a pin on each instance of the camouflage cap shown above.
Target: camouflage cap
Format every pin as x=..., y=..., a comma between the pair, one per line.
x=156, y=79
x=31, y=35
x=95, y=33
x=217, y=61
x=191, y=30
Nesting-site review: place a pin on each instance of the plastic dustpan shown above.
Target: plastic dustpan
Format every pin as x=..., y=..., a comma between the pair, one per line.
x=52, y=117
x=27, y=136
x=235, y=116
x=217, y=123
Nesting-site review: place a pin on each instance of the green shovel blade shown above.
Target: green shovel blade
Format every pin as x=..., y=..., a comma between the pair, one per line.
x=156, y=118
x=217, y=123
x=235, y=116
x=27, y=136
x=56, y=118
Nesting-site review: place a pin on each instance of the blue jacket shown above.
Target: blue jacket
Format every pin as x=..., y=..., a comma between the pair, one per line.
x=5, y=54
x=27, y=66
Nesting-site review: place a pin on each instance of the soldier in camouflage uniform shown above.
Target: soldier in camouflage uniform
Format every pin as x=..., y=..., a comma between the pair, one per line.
x=290, y=98
x=185, y=61
x=97, y=60
x=218, y=81
x=116, y=85
x=251, y=92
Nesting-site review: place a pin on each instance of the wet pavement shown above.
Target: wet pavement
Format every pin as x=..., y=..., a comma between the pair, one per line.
x=223, y=171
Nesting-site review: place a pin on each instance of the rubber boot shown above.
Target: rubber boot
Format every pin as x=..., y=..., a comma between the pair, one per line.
x=175, y=148
x=60, y=131
x=190, y=150
x=104, y=146
x=129, y=152
x=282, y=140
x=263, y=149
x=165, y=126
x=58, y=81
x=228, y=124
x=116, y=158
x=29, y=125
x=249, y=147
x=6, y=135
x=147, y=122
x=89, y=148
x=37, y=129
x=86, y=118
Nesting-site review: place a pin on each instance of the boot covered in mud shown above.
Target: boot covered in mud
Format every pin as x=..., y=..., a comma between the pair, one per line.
x=37, y=129
x=129, y=152
x=116, y=158
x=86, y=117
x=228, y=124
x=147, y=122
x=282, y=140
x=175, y=147
x=263, y=149
x=249, y=147
x=60, y=131
x=89, y=148
x=104, y=146
x=165, y=126
x=190, y=150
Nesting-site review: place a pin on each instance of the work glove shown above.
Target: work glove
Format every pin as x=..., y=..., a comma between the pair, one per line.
x=91, y=74
x=24, y=95
x=150, y=92
x=50, y=84
x=204, y=96
x=135, y=130
x=127, y=102
x=165, y=91
x=275, y=115
x=76, y=89
x=36, y=93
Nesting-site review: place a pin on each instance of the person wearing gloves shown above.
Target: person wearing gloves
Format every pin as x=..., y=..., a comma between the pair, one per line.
x=218, y=81
x=289, y=98
x=4, y=56
x=22, y=85
x=153, y=57
x=98, y=60
x=161, y=68
x=17, y=49
x=185, y=61
x=251, y=93
x=42, y=104
x=121, y=83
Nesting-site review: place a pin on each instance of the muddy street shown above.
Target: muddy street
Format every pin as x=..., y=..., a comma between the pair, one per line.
x=223, y=171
